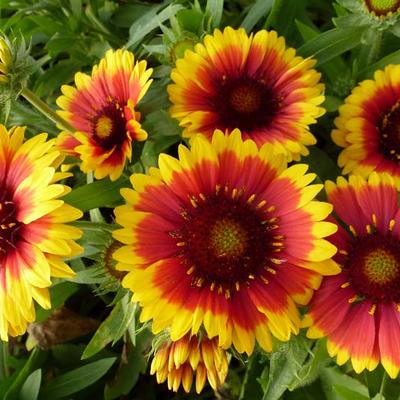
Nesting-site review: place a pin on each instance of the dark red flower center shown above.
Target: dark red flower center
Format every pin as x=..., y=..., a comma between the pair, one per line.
x=109, y=126
x=389, y=128
x=382, y=7
x=245, y=103
x=9, y=226
x=228, y=239
x=374, y=267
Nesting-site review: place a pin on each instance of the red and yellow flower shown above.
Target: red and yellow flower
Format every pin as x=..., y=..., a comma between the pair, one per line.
x=368, y=126
x=253, y=83
x=227, y=237
x=33, y=235
x=178, y=362
x=102, y=109
x=359, y=309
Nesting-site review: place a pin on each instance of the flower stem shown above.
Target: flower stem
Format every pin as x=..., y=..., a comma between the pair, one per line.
x=46, y=110
x=382, y=388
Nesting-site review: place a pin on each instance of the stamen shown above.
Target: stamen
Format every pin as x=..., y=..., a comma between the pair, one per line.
x=352, y=230
x=264, y=279
x=368, y=228
x=202, y=197
x=237, y=286
x=181, y=244
x=345, y=285
x=251, y=198
x=271, y=270
x=190, y=270
x=271, y=209
x=193, y=201
x=352, y=299
x=392, y=223
x=344, y=252
x=261, y=204
x=374, y=220
x=372, y=309
x=234, y=193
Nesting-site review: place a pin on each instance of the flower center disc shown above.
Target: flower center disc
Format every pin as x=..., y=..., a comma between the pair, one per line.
x=389, y=128
x=245, y=103
x=382, y=7
x=374, y=267
x=246, y=98
x=224, y=241
x=9, y=226
x=109, y=126
x=228, y=238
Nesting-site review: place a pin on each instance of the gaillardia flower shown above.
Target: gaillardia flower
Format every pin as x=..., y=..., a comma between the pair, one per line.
x=227, y=237
x=359, y=309
x=368, y=126
x=102, y=110
x=382, y=8
x=33, y=233
x=252, y=83
x=178, y=362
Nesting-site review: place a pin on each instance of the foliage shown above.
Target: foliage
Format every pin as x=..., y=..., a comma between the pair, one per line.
x=109, y=359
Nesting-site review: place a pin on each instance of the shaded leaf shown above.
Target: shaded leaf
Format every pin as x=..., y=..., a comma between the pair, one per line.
x=30, y=389
x=76, y=380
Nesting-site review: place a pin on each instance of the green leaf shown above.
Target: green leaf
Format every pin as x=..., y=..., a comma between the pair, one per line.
x=102, y=193
x=332, y=43
x=320, y=163
x=106, y=332
x=148, y=22
x=251, y=388
x=214, y=9
x=334, y=377
x=392, y=58
x=30, y=389
x=127, y=375
x=347, y=394
x=284, y=365
x=128, y=319
x=36, y=359
x=257, y=11
x=76, y=380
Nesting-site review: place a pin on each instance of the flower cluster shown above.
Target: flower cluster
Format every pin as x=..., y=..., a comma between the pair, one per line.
x=224, y=245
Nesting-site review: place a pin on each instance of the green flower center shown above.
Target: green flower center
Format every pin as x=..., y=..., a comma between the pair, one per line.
x=104, y=127
x=228, y=238
x=381, y=266
x=382, y=7
x=373, y=265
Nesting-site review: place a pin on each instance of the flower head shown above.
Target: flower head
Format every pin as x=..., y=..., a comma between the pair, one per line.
x=102, y=109
x=15, y=67
x=178, y=362
x=368, y=126
x=359, y=309
x=382, y=8
x=226, y=237
x=253, y=83
x=33, y=235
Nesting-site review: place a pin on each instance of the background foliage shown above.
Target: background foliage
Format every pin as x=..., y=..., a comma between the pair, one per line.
x=91, y=345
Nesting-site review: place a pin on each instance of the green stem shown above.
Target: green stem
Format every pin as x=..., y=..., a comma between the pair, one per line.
x=46, y=110
x=95, y=214
x=382, y=388
x=5, y=370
